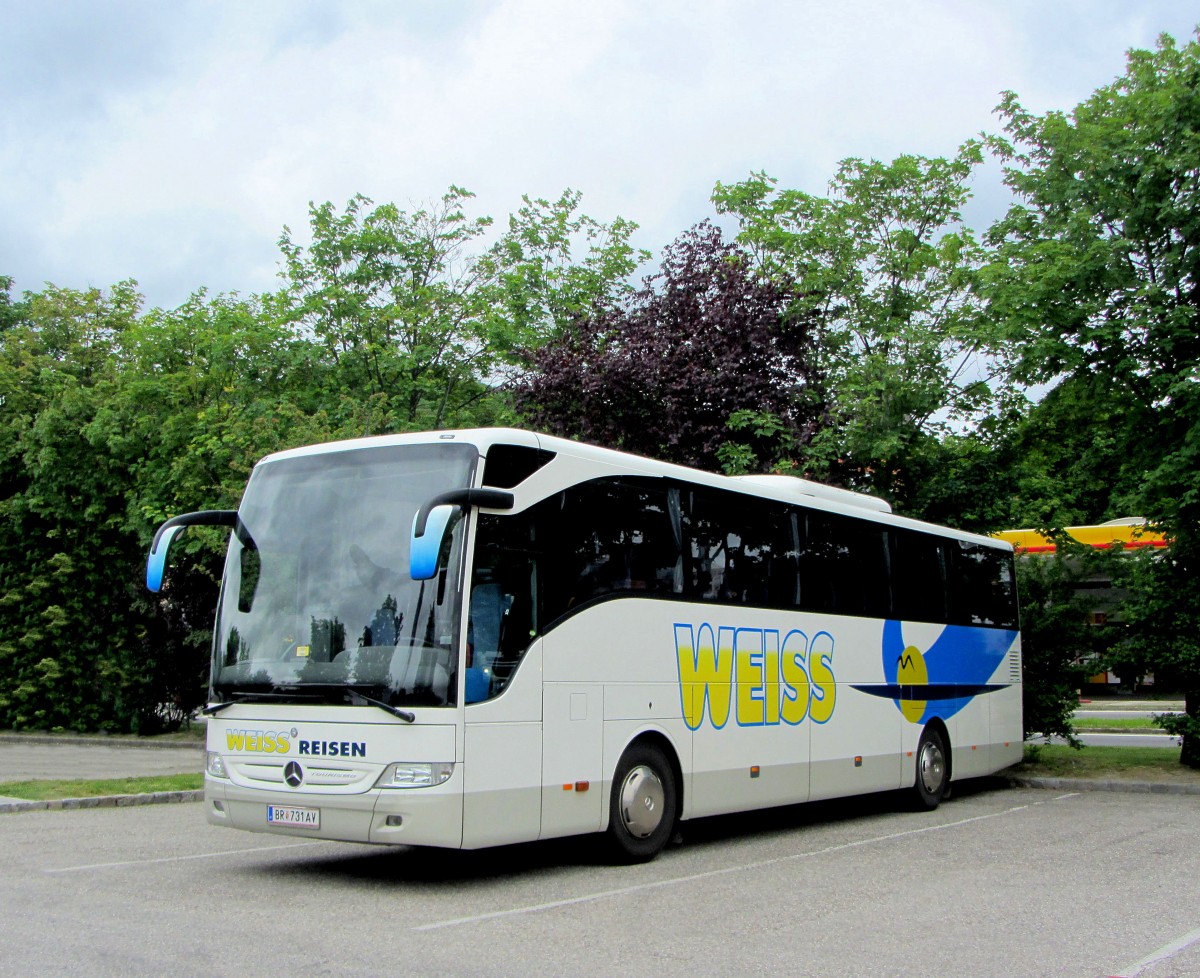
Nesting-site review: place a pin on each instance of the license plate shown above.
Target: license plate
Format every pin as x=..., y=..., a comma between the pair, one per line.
x=305, y=818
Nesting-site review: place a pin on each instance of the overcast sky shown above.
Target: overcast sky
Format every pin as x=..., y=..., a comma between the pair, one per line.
x=171, y=142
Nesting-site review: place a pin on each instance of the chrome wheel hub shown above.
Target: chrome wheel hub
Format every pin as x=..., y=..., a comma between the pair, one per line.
x=931, y=768
x=641, y=801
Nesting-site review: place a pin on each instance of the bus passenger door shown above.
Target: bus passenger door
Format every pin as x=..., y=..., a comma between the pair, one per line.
x=502, y=762
x=572, y=756
x=502, y=689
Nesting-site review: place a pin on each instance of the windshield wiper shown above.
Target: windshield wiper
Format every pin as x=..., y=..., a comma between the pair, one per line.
x=355, y=698
x=292, y=694
x=280, y=694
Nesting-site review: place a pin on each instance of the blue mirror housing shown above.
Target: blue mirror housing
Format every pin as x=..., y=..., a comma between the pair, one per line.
x=157, y=561
x=429, y=525
x=424, y=549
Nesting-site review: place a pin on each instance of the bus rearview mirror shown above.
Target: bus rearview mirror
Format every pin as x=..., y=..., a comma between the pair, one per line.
x=424, y=549
x=429, y=525
x=156, y=562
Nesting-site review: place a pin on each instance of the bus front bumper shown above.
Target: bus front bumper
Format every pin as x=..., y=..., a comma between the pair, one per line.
x=429, y=816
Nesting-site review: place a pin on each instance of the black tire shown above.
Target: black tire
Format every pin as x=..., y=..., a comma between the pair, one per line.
x=644, y=804
x=933, y=770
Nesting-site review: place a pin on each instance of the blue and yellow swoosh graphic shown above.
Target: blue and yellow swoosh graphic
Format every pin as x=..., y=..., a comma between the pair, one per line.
x=941, y=680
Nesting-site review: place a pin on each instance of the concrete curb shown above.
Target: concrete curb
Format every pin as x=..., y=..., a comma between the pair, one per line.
x=102, y=801
x=1084, y=784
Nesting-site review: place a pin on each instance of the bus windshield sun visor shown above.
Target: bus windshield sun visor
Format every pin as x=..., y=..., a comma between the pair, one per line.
x=156, y=562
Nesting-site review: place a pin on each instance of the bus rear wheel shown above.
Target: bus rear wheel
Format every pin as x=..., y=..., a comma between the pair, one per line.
x=933, y=770
x=644, y=804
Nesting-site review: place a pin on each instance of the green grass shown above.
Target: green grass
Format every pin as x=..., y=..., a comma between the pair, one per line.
x=1116, y=723
x=1106, y=763
x=48, y=790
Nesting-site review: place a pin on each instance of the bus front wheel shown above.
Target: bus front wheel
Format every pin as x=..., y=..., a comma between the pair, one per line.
x=933, y=770
x=644, y=804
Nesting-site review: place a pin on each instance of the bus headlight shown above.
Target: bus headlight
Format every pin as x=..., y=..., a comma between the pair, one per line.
x=214, y=765
x=414, y=774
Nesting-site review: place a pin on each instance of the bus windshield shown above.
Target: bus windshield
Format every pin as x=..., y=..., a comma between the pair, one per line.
x=316, y=600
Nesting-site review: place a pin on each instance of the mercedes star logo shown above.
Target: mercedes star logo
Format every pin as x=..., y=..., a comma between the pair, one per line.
x=293, y=774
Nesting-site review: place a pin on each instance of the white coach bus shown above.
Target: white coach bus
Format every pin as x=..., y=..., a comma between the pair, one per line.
x=471, y=638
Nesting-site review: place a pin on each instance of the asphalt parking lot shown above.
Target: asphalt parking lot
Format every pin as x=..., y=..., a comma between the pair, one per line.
x=28, y=758
x=997, y=882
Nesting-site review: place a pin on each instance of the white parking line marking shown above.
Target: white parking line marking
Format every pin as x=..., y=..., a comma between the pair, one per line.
x=1164, y=953
x=180, y=859
x=674, y=881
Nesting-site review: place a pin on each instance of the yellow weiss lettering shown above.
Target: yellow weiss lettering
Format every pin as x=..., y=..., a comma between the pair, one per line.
x=258, y=741
x=775, y=681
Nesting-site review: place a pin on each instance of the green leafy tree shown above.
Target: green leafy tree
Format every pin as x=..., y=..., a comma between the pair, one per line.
x=1076, y=455
x=1098, y=275
x=111, y=419
x=65, y=644
x=554, y=265
x=413, y=310
x=11, y=312
x=885, y=268
x=397, y=301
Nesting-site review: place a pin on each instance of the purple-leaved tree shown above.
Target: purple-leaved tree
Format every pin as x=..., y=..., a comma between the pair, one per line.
x=705, y=366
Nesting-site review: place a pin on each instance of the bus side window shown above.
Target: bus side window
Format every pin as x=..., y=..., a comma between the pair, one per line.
x=844, y=566
x=818, y=550
x=983, y=589
x=615, y=537
x=741, y=551
x=502, y=612
x=918, y=577
x=707, y=548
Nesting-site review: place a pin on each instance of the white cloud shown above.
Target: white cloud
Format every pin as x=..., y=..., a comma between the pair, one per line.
x=177, y=157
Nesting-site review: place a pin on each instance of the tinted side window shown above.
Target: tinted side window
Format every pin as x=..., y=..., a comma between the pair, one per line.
x=648, y=537
x=983, y=588
x=510, y=465
x=844, y=566
x=918, y=576
x=612, y=537
x=739, y=550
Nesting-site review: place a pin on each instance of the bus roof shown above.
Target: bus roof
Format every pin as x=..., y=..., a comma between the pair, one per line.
x=784, y=488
